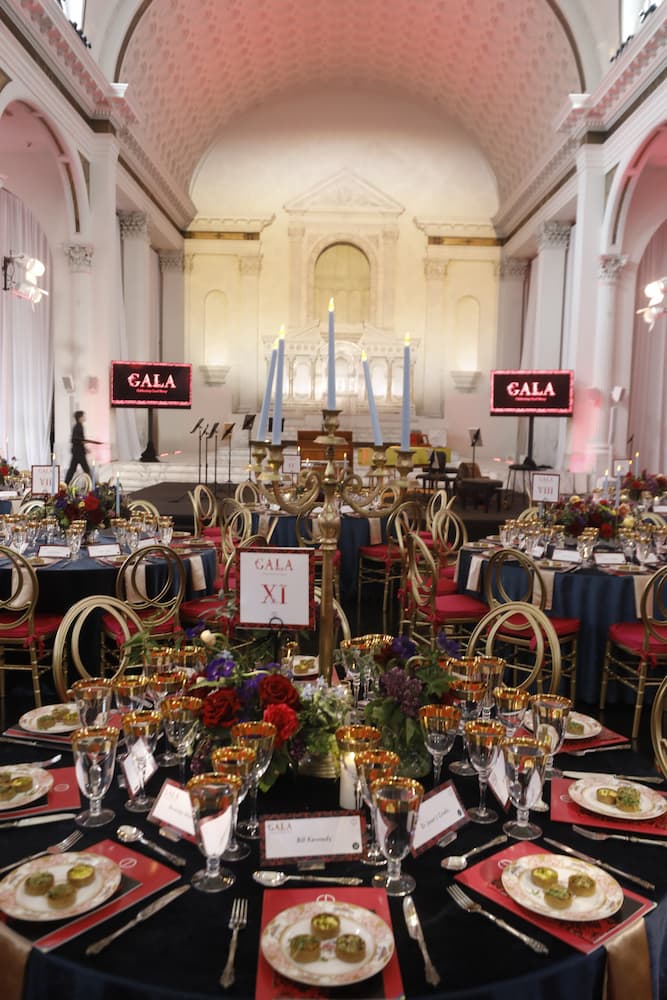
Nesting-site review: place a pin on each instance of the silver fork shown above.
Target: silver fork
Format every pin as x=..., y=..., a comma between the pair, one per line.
x=466, y=903
x=237, y=921
x=59, y=848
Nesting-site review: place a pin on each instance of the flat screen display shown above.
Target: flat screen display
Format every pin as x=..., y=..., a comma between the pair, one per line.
x=154, y=383
x=532, y=393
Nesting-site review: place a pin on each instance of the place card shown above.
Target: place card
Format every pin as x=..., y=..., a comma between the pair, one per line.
x=215, y=832
x=566, y=555
x=609, y=558
x=130, y=766
x=329, y=836
x=498, y=782
x=440, y=811
x=172, y=807
x=108, y=549
x=54, y=552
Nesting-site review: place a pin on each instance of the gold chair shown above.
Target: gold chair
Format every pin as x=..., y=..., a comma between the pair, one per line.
x=159, y=612
x=235, y=526
x=31, y=505
x=205, y=510
x=384, y=563
x=635, y=648
x=658, y=737
x=449, y=534
x=81, y=483
x=142, y=507
x=488, y=639
x=247, y=493
x=219, y=611
x=529, y=514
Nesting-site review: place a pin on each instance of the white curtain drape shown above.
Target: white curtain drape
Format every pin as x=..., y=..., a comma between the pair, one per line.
x=127, y=434
x=647, y=420
x=26, y=346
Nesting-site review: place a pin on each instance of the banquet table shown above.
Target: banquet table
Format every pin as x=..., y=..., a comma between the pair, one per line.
x=597, y=597
x=180, y=951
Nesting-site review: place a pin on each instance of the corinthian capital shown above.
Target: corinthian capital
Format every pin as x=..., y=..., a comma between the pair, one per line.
x=171, y=260
x=79, y=256
x=513, y=268
x=133, y=224
x=553, y=235
x=611, y=265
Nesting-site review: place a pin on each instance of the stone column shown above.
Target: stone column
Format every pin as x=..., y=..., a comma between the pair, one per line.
x=611, y=266
x=511, y=292
x=172, y=340
x=429, y=374
x=248, y=385
x=136, y=289
x=553, y=240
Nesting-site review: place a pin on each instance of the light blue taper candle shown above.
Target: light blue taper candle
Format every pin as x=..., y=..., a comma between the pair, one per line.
x=405, y=412
x=264, y=414
x=375, y=423
x=278, y=399
x=331, y=384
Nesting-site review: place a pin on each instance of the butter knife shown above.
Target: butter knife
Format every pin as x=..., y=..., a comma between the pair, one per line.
x=37, y=820
x=584, y=753
x=601, y=864
x=647, y=779
x=148, y=911
x=413, y=924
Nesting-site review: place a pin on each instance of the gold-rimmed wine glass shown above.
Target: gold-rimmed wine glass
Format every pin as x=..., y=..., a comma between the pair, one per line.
x=261, y=737
x=483, y=740
x=161, y=684
x=372, y=765
x=236, y=760
x=213, y=798
x=490, y=670
x=129, y=692
x=511, y=705
x=352, y=740
x=141, y=730
x=550, y=716
x=93, y=700
x=396, y=804
x=525, y=761
x=180, y=715
x=94, y=752
x=468, y=696
x=439, y=724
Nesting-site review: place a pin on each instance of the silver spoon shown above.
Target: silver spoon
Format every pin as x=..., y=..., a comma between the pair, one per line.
x=457, y=862
x=272, y=879
x=130, y=834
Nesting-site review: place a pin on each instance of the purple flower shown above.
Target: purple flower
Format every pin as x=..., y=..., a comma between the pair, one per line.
x=402, y=688
x=192, y=633
x=220, y=666
x=403, y=648
x=447, y=645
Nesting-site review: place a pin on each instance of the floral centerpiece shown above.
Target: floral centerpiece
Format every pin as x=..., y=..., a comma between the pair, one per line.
x=577, y=513
x=7, y=470
x=635, y=485
x=97, y=507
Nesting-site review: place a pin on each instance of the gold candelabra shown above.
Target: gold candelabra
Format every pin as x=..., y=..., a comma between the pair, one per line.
x=335, y=487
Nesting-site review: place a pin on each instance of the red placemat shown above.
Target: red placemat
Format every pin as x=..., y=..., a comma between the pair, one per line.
x=585, y=936
x=564, y=810
x=58, y=739
x=64, y=795
x=271, y=985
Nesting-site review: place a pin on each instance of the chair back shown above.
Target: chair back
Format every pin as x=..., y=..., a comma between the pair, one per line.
x=31, y=504
x=436, y=503
x=205, y=508
x=81, y=483
x=529, y=580
x=658, y=730
x=161, y=609
x=540, y=653
x=529, y=514
x=653, y=608
x=252, y=541
x=420, y=589
x=18, y=607
x=235, y=525
x=247, y=492
x=449, y=534
x=142, y=507
x=71, y=650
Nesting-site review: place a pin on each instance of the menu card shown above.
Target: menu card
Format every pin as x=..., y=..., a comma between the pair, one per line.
x=564, y=810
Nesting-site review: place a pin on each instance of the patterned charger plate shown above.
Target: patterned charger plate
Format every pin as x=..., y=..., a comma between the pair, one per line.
x=518, y=884
x=584, y=793
x=16, y=902
x=42, y=782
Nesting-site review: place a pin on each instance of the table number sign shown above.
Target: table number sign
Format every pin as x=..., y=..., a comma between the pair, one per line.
x=275, y=587
x=327, y=836
x=44, y=480
x=292, y=464
x=440, y=811
x=545, y=487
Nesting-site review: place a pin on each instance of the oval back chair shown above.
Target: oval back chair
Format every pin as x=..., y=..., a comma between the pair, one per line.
x=204, y=507
x=539, y=660
x=142, y=507
x=81, y=483
x=157, y=606
x=658, y=727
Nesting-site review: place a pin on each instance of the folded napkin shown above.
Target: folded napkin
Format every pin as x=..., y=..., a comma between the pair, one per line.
x=23, y=589
x=474, y=571
x=197, y=576
x=14, y=951
x=548, y=581
x=135, y=586
x=375, y=530
x=640, y=581
x=628, y=971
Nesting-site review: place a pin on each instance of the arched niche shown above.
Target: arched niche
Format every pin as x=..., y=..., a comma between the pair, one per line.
x=343, y=272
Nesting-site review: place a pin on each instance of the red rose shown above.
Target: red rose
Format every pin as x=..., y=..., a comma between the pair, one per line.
x=221, y=709
x=284, y=719
x=275, y=689
x=606, y=530
x=91, y=502
x=4, y=470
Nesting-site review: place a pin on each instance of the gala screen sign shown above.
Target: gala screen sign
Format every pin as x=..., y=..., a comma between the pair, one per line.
x=141, y=383
x=531, y=393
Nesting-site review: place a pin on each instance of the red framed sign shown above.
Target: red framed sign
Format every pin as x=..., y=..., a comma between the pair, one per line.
x=532, y=393
x=275, y=588
x=155, y=383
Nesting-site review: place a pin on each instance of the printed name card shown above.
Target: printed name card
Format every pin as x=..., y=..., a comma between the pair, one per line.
x=131, y=763
x=172, y=807
x=609, y=558
x=215, y=831
x=566, y=555
x=108, y=549
x=296, y=837
x=498, y=782
x=441, y=810
x=54, y=551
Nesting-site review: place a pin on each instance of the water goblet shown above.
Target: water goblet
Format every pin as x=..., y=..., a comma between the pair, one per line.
x=129, y=692
x=141, y=730
x=73, y=539
x=525, y=761
x=483, y=740
x=439, y=724
x=180, y=714
x=550, y=716
x=213, y=798
x=490, y=670
x=468, y=696
x=159, y=658
x=352, y=740
x=166, y=529
x=643, y=550
x=93, y=700
x=51, y=527
x=237, y=761
x=160, y=685
x=261, y=737
x=396, y=804
x=94, y=752
x=372, y=765
x=511, y=704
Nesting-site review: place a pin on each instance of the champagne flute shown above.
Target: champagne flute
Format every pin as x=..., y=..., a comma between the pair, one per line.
x=213, y=798
x=180, y=714
x=550, y=716
x=160, y=684
x=511, y=704
x=260, y=736
x=371, y=765
x=525, y=761
x=94, y=752
x=141, y=730
x=440, y=724
x=93, y=700
x=237, y=761
x=468, y=696
x=396, y=803
x=483, y=740
x=352, y=740
x=490, y=670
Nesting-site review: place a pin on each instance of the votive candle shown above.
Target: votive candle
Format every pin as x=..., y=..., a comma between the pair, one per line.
x=331, y=383
x=375, y=423
x=405, y=413
x=264, y=413
x=117, y=495
x=636, y=463
x=278, y=399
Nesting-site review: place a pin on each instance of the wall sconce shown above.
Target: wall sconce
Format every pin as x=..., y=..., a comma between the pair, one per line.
x=20, y=274
x=655, y=292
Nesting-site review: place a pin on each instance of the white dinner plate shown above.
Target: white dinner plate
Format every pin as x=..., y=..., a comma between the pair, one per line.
x=327, y=970
x=584, y=793
x=305, y=667
x=42, y=782
x=16, y=902
x=518, y=884
x=30, y=720
x=591, y=726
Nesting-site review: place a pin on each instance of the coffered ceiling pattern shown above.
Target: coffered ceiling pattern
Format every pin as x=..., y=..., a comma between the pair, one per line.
x=502, y=68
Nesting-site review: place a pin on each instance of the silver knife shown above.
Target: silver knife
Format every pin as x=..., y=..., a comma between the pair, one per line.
x=38, y=820
x=601, y=864
x=148, y=911
x=413, y=924
x=35, y=743
x=614, y=746
x=642, y=778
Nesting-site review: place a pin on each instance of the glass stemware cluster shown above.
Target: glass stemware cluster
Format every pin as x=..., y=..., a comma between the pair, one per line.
x=260, y=736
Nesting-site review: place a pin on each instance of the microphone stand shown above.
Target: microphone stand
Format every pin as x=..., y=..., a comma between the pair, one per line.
x=213, y=434
x=202, y=434
x=196, y=428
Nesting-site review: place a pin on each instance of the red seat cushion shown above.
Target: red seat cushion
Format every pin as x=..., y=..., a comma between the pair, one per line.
x=213, y=532
x=563, y=627
x=43, y=625
x=631, y=636
x=113, y=627
x=457, y=606
x=448, y=571
x=203, y=609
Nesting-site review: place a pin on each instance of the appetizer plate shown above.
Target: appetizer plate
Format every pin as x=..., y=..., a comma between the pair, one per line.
x=16, y=902
x=305, y=667
x=476, y=545
x=327, y=970
x=30, y=721
x=584, y=793
x=42, y=782
x=628, y=568
x=181, y=534
x=591, y=726
x=518, y=884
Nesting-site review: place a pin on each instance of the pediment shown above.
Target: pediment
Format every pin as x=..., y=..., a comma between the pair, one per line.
x=345, y=192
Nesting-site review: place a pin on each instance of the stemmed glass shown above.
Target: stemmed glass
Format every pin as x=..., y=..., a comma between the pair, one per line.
x=525, y=761
x=129, y=691
x=490, y=670
x=141, y=730
x=511, y=703
x=213, y=798
x=159, y=685
x=483, y=740
x=94, y=751
x=352, y=740
x=396, y=803
x=468, y=695
x=261, y=737
x=440, y=724
x=643, y=549
x=550, y=716
x=73, y=539
x=237, y=761
x=372, y=765
x=166, y=529
x=180, y=714
x=93, y=700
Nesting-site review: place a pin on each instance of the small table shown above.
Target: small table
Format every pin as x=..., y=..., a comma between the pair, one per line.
x=480, y=491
